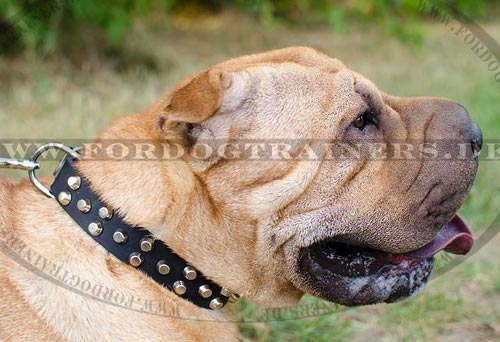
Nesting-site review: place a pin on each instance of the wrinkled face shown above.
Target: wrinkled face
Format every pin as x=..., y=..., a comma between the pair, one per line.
x=357, y=229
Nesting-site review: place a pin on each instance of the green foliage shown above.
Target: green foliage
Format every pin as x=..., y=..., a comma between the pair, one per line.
x=39, y=24
x=397, y=17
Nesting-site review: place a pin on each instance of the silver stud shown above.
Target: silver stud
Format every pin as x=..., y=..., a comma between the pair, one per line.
x=225, y=292
x=64, y=197
x=74, y=182
x=204, y=291
x=179, y=287
x=120, y=236
x=84, y=205
x=95, y=228
x=147, y=243
x=216, y=304
x=162, y=267
x=135, y=259
x=234, y=298
x=106, y=213
x=189, y=273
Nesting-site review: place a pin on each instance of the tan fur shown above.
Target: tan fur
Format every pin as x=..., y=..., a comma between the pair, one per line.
x=240, y=223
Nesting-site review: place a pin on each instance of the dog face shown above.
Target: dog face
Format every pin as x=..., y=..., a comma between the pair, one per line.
x=342, y=229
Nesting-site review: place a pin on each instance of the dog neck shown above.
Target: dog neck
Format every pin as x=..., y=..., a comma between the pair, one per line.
x=136, y=247
x=168, y=199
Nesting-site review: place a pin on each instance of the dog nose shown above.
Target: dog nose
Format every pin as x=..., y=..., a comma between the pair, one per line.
x=472, y=131
x=476, y=138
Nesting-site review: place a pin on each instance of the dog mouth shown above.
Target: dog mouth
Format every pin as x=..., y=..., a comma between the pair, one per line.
x=353, y=275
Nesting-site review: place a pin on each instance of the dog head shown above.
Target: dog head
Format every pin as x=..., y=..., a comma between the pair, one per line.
x=271, y=217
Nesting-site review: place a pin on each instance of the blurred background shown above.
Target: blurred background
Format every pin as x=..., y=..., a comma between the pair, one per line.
x=68, y=67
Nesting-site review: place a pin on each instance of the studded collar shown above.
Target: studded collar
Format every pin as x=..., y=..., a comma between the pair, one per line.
x=134, y=246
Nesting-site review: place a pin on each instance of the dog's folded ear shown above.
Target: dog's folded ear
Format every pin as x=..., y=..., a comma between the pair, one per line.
x=193, y=100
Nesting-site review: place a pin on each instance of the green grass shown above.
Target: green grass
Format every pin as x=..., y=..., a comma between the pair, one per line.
x=52, y=99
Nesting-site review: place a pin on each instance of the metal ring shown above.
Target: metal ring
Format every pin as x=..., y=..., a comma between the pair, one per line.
x=36, y=155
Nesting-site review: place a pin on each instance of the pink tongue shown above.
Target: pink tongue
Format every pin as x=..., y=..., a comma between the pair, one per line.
x=455, y=237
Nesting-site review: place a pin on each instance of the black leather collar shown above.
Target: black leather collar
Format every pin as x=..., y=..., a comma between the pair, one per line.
x=132, y=245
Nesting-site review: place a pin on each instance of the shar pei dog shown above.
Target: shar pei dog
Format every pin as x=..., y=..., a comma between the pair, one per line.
x=274, y=211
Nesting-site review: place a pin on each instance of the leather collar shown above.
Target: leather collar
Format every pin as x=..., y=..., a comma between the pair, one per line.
x=134, y=246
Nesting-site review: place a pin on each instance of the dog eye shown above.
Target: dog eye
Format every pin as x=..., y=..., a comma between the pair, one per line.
x=361, y=122
x=365, y=119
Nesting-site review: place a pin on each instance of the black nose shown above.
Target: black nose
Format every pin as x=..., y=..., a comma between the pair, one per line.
x=476, y=138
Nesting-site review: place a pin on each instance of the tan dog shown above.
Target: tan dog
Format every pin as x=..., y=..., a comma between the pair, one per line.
x=268, y=230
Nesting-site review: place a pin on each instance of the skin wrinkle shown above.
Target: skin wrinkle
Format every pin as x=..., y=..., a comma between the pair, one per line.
x=350, y=117
x=350, y=177
x=448, y=198
x=404, y=122
x=327, y=100
x=426, y=127
x=346, y=115
x=265, y=179
x=368, y=96
x=279, y=248
x=427, y=124
x=428, y=193
x=416, y=177
x=370, y=101
x=206, y=191
x=280, y=218
x=251, y=93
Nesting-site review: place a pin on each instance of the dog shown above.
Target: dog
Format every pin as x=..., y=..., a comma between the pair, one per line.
x=354, y=231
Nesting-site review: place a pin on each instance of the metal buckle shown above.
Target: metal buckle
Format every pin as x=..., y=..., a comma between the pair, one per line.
x=36, y=155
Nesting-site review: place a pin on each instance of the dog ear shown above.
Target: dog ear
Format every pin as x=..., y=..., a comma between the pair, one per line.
x=192, y=101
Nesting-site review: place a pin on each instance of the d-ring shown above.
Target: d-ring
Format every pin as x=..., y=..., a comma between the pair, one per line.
x=36, y=155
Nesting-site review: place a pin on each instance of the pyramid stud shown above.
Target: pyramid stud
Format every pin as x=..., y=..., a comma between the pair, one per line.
x=106, y=213
x=189, y=273
x=95, y=228
x=162, y=267
x=204, y=291
x=135, y=259
x=74, y=182
x=84, y=205
x=179, y=287
x=147, y=243
x=216, y=304
x=64, y=198
x=120, y=236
